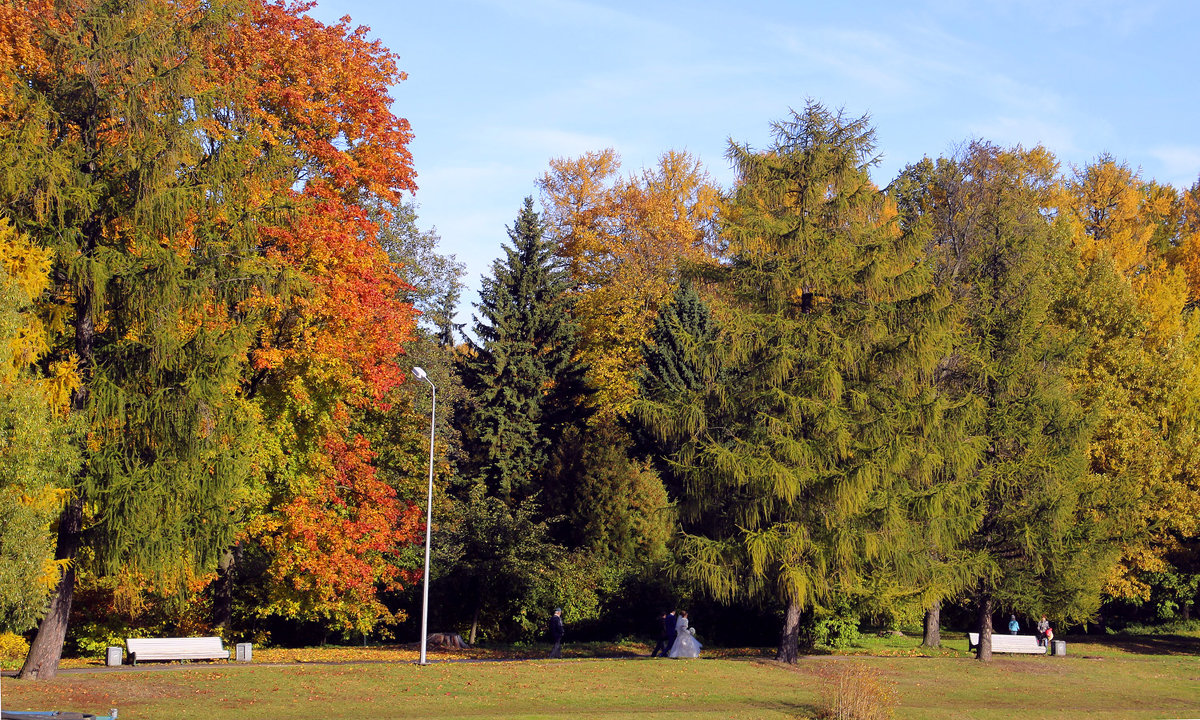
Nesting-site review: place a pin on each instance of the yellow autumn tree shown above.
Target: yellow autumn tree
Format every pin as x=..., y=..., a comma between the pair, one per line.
x=1185, y=254
x=1140, y=373
x=624, y=239
x=35, y=453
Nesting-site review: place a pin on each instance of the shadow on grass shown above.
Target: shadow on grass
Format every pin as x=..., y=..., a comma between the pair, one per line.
x=793, y=709
x=1148, y=644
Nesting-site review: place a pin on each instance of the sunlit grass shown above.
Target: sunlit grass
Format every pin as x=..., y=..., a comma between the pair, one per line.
x=1147, y=677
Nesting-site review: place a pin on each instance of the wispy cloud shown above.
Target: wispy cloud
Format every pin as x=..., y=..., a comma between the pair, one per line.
x=1118, y=16
x=542, y=143
x=1180, y=163
x=570, y=13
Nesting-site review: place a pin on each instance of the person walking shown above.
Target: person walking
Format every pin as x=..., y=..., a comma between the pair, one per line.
x=556, y=633
x=685, y=644
x=664, y=635
x=1014, y=627
x=669, y=629
x=1043, y=630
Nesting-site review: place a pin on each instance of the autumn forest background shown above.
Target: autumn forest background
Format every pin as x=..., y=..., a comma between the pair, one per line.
x=809, y=402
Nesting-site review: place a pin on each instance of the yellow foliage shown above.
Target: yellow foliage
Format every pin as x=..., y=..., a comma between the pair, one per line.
x=25, y=264
x=624, y=240
x=1109, y=216
x=12, y=646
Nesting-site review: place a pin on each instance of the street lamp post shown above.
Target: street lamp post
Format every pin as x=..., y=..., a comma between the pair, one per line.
x=421, y=375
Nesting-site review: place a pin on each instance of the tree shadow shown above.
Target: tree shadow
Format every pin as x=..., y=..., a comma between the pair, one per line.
x=1150, y=644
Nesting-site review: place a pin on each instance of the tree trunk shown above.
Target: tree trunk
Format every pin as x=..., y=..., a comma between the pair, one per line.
x=46, y=649
x=474, y=626
x=222, y=589
x=789, y=639
x=933, y=626
x=985, y=628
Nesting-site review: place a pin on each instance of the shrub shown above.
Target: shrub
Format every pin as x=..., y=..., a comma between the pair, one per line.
x=837, y=633
x=92, y=639
x=12, y=647
x=853, y=691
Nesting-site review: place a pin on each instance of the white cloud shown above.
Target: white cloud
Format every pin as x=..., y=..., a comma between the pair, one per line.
x=1120, y=16
x=541, y=144
x=1180, y=164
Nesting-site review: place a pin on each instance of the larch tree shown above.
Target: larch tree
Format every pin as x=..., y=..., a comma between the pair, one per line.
x=215, y=276
x=1045, y=530
x=815, y=406
x=102, y=144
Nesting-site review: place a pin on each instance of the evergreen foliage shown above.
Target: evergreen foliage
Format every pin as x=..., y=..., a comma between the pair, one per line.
x=791, y=455
x=121, y=114
x=501, y=564
x=1044, y=532
x=674, y=356
x=523, y=398
x=522, y=377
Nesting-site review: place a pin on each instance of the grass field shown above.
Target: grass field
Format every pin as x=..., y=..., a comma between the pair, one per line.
x=1131, y=678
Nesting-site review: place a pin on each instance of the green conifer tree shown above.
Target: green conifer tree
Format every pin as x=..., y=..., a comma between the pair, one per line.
x=100, y=162
x=523, y=381
x=523, y=392
x=793, y=440
x=1043, y=534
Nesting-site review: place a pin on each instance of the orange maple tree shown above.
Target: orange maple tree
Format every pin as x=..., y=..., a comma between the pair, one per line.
x=317, y=97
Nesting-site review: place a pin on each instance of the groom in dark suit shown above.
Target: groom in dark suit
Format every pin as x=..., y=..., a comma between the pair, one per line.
x=663, y=645
x=667, y=638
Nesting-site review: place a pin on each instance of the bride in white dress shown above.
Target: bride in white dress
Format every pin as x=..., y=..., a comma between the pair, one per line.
x=686, y=645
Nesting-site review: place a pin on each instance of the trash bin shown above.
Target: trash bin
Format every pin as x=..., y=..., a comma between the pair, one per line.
x=242, y=652
x=1058, y=647
x=113, y=656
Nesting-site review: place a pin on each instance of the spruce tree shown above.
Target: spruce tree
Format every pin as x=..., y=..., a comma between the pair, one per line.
x=524, y=382
x=792, y=449
x=523, y=392
x=678, y=360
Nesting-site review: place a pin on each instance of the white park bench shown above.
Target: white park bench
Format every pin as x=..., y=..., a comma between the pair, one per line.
x=194, y=648
x=1011, y=643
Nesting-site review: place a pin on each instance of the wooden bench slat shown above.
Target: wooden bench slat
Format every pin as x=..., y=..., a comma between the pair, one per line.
x=201, y=648
x=1012, y=643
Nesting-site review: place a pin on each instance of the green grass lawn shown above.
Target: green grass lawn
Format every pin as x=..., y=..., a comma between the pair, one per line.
x=1152, y=678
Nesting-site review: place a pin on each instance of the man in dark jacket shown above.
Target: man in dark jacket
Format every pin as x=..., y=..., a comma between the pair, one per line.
x=669, y=629
x=556, y=633
x=663, y=645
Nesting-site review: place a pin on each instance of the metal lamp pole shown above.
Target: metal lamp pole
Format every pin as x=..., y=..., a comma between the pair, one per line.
x=421, y=375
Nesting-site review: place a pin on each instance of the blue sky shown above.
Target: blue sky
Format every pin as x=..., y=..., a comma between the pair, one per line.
x=497, y=88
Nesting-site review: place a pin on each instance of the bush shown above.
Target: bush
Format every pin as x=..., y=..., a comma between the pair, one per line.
x=13, y=647
x=92, y=639
x=853, y=691
x=837, y=633
x=1179, y=627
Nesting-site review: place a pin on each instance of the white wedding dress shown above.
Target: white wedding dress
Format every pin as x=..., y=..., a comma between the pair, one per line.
x=686, y=645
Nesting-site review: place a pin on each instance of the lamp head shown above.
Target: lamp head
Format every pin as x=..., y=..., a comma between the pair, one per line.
x=419, y=373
